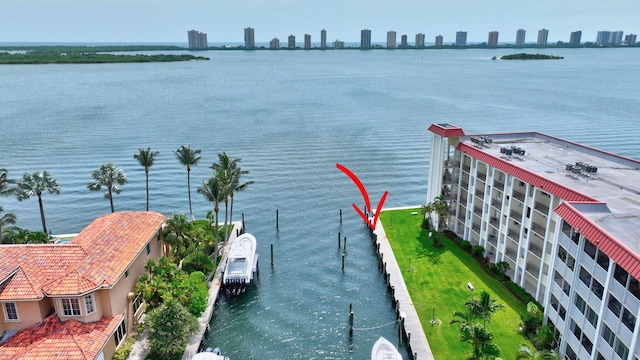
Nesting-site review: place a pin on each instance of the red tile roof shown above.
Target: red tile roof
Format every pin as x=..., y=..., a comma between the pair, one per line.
x=96, y=258
x=446, y=130
x=54, y=339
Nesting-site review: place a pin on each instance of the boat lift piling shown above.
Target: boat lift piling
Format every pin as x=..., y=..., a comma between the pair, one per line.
x=271, y=255
x=351, y=319
x=345, y=243
x=277, y=222
x=338, y=239
x=343, y=262
x=340, y=216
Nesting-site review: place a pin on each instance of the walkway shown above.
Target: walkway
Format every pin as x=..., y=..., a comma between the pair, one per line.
x=418, y=344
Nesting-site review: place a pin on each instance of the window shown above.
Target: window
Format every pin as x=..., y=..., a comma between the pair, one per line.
x=585, y=276
x=148, y=248
x=615, y=306
x=590, y=249
x=592, y=316
x=621, y=275
x=10, y=311
x=159, y=237
x=603, y=260
x=88, y=304
x=580, y=304
x=126, y=274
x=634, y=287
x=622, y=350
x=70, y=307
x=608, y=335
x=562, y=254
x=628, y=319
x=121, y=332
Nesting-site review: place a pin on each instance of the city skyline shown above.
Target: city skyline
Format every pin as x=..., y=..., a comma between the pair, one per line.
x=164, y=21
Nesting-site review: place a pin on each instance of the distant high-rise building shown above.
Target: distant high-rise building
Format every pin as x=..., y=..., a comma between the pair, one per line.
x=439, y=40
x=403, y=41
x=520, y=35
x=274, y=43
x=307, y=41
x=365, y=38
x=630, y=39
x=576, y=37
x=197, y=40
x=249, y=38
x=338, y=44
x=419, y=40
x=292, y=42
x=543, y=37
x=493, y=39
x=461, y=38
x=616, y=37
x=323, y=39
x=603, y=38
x=391, y=39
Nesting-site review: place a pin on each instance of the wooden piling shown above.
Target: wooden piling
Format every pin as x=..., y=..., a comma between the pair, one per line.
x=339, y=239
x=343, y=261
x=340, y=216
x=345, y=243
x=277, y=221
x=271, y=254
x=350, y=320
x=244, y=228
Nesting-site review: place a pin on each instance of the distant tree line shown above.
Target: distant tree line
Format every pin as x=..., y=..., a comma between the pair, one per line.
x=39, y=57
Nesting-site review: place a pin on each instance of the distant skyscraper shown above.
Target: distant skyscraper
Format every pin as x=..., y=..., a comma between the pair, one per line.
x=520, y=34
x=543, y=36
x=419, y=40
x=365, y=38
x=197, y=40
x=575, y=38
x=630, y=39
x=493, y=39
x=292, y=42
x=274, y=43
x=323, y=39
x=307, y=41
x=249, y=38
x=603, y=38
x=338, y=44
x=439, y=40
x=616, y=37
x=461, y=38
x=403, y=41
x=391, y=39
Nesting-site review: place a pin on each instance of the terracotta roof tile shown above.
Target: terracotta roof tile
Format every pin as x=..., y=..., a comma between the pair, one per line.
x=71, y=284
x=54, y=339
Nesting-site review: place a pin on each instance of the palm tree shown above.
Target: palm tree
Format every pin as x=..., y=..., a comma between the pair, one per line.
x=5, y=183
x=231, y=173
x=7, y=218
x=526, y=352
x=34, y=184
x=146, y=158
x=109, y=176
x=484, y=307
x=464, y=318
x=177, y=233
x=481, y=340
x=188, y=158
x=213, y=191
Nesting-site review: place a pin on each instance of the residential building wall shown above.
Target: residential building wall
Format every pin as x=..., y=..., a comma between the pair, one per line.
x=365, y=38
x=307, y=41
x=419, y=40
x=291, y=42
x=461, y=38
x=543, y=37
x=29, y=313
x=391, y=39
x=439, y=40
x=576, y=37
x=493, y=38
x=520, y=37
x=249, y=38
x=323, y=39
x=404, y=41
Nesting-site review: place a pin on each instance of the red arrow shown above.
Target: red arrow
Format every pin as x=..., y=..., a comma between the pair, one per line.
x=365, y=195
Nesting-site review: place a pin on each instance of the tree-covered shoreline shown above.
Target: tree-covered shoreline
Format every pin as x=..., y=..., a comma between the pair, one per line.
x=37, y=57
x=525, y=56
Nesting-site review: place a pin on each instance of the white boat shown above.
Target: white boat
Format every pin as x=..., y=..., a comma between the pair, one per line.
x=384, y=350
x=209, y=354
x=242, y=264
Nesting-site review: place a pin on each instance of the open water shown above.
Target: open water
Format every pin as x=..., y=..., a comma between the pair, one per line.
x=291, y=116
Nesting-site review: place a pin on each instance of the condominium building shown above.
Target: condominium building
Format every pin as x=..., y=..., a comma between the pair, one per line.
x=274, y=43
x=630, y=39
x=323, y=39
x=249, y=38
x=564, y=216
x=543, y=37
x=419, y=40
x=616, y=37
x=365, y=38
x=493, y=39
x=438, y=41
x=197, y=40
x=576, y=37
x=520, y=35
x=291, y=42
x=307, y=41
x=403, y=41
x=461, y=38
x=391, y=39
x=338, y=44
x=603, y=38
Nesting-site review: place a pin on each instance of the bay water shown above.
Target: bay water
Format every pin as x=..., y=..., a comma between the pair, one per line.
x=291, y=116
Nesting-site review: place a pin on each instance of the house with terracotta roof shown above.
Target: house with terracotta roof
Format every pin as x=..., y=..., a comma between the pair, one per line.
x=563, y=215
x=76, y=300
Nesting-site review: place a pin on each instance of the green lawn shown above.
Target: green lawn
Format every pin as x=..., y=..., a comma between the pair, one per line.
x=438, y=279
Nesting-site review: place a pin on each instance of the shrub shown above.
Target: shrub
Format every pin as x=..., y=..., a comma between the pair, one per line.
x=199, y=262
x=544, y=337
x=170, y=326
x=122, y=352
x=477, y=251
x=196, y=286
x=425, y=223
x=465, y=245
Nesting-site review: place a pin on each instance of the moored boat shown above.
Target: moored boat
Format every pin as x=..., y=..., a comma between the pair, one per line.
x=384, y=350
x=242, y=264
x=209, y=354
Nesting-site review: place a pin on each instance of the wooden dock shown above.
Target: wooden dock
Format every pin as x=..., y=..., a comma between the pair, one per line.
x=416, y=337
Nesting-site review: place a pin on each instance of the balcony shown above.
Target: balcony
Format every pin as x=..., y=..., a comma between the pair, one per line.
x=480, y=193
x=515, y=235
x=533, y=269
x=535, y=249
x=466, y=168
x=464, y=184
x=476, y=227
x=497, y=203
x=510, y=253
x=494, y=221
x=477, y=211
x=451, y=163
x=515, y=215
x=518, y=195
x=482, y=176
x=498, y=185
x=493, y=240
x=542, y=208
x=538, y=229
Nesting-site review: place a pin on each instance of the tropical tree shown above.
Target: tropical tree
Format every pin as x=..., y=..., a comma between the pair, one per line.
x=177, y=233
x=34, y=184
x=481, y=340
x=5, y=219
x=464, y=318
x=526, y=352
x=146, y=158
x=231, y=173
x=214, y=191
x=441, y=207
x=6, y=184
x=109, y=176
x=188, y=157
x=484, y=307
x=170, y=327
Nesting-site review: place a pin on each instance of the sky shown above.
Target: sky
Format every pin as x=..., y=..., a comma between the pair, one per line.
x=167, y=21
